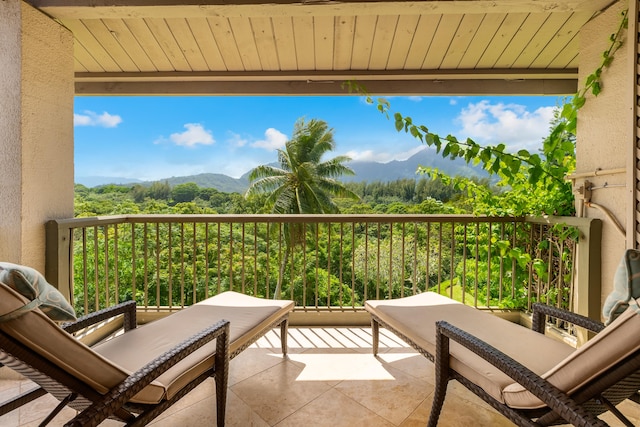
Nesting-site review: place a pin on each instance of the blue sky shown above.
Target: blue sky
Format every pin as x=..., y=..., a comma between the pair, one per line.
x=151, y=138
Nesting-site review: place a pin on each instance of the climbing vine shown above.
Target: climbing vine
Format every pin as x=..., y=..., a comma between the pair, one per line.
x=546, y=171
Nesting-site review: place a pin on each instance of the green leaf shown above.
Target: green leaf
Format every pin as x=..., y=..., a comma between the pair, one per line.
x=535, y=173
x=495, y=167
x=485, y=156
x=515, y=165
x=399, y=123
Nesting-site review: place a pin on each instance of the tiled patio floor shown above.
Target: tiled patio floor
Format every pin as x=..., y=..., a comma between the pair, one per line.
x=330, y=378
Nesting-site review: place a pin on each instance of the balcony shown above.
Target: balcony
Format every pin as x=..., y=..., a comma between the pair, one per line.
x=335, y=263
x=328, y=264
x=329, y=379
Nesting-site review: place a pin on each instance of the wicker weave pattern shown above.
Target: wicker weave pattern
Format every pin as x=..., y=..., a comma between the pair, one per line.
x=115, y=403
x=581, y=409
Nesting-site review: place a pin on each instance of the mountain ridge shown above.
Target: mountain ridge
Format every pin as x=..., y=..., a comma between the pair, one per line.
x=365, y=171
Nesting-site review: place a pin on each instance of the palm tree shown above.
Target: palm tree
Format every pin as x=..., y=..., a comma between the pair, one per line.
x=304, y=183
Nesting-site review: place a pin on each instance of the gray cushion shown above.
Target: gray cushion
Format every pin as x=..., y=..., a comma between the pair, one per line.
x=33, y=286
x=626, y=287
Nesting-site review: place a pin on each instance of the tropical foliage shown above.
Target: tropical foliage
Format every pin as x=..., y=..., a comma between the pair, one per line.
x=304, y=182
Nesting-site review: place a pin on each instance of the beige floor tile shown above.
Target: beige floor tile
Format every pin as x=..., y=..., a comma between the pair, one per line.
x=334, y=366
x=334, y=409
x=388, y=340
x=252, y=361
x=270, y=341
x=359, y=339
x=410, y=362
x=204, y=391
x=7, y=373
x=393, y=399
x=456, y=412
x=40, y=408
x=239, y=414
x=629, y=409
x=330, y=378
x=276, y=393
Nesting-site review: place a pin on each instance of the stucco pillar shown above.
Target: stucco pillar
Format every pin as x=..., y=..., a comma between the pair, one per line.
x=36, y=130
x=604, y=135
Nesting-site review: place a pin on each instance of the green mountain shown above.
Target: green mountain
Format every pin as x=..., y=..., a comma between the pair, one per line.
x=400, y=169
x=365, y=171
x=220, y=182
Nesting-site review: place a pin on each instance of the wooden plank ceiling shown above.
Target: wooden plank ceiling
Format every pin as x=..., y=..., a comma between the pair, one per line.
x=312, y=47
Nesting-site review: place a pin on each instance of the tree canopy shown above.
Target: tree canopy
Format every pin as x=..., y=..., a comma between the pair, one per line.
x=304, y=182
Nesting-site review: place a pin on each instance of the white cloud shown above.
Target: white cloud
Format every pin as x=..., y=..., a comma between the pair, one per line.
x=415, y=98
x=194, y=134
x=380, y=157
x=274, y=139
x=90, y=118
x=510, y=124
x=236, y=140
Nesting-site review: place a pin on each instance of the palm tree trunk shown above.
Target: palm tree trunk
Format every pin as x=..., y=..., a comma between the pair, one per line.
x=283, y=265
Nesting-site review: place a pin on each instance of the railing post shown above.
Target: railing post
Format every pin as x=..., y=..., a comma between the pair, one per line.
x=588, y=299
x=58, y=258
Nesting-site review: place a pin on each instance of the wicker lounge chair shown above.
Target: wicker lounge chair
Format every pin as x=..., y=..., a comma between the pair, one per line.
x=529, y=377
x=136, y=375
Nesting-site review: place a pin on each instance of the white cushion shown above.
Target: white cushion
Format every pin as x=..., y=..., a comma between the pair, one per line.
x=614, y=343
x=416, y=317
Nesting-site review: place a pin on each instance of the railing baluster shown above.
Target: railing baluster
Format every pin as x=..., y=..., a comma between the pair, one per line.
x=194, y=266
x=255, y=259
x=182, y=265
x=96, y=273
x=242, y=272
x=115, y=264
x=146, y=264
x=157, y=266
x=463, y=281
x=489, y=234
x=477, y=266
x=501, y=259
x=230, y=260
x=329, y=266
x=167, y=253
x=452, y=260
x=402, y=262
x=440, y=257
x=84, y=271
x=353, y=264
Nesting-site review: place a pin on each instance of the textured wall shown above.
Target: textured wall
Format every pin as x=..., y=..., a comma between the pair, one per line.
x=36, y=130
x=604, y=135
x=10, y=130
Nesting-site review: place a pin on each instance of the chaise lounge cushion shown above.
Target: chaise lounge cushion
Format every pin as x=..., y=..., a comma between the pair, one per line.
x=105, y=365
x=416, y=317
x=247, y=315
x=589, y=361
x=43, y=336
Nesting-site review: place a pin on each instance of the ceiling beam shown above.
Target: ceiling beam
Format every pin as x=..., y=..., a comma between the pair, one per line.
x=324, y=76
x=331, y=87
x=121, y=9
